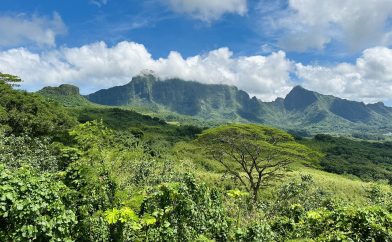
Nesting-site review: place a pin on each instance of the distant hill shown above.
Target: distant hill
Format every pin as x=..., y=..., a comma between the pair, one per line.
x=301, y=111
x=65, y=94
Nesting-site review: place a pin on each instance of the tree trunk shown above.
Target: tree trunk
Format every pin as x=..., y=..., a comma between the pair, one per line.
x=255, y=194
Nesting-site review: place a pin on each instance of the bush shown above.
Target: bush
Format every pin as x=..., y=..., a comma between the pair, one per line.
x=347, y=224
x=184, y=211
x=259, y=232
x=34, y=207
x=16, y=151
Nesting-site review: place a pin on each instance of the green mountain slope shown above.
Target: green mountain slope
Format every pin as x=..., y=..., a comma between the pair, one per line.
x=67, y=95
x=210, y=102
x=301, y=111
x=318, y=113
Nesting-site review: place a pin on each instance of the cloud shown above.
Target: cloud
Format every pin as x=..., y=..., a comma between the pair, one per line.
x=99, y=3
x=208, y=10
x=96, y=66
x=368, y=80
x=311, y=24
x=22, y=29
x=267, y=77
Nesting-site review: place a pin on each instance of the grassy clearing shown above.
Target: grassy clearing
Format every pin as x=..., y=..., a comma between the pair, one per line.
x=351, y=190
x=347, y=188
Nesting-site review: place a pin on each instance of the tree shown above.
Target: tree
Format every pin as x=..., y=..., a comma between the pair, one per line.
x=23, y=112
x=9, y=79
x=254, y=155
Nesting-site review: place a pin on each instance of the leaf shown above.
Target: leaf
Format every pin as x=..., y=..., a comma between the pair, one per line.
x=112, y=216
x=166, y=224
x=148, y=219
x=237, y=193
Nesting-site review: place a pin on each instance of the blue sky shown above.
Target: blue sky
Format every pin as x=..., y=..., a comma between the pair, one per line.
x=265, y=47
x=152, y=23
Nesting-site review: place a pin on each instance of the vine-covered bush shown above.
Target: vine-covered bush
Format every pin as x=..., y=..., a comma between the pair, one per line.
x=16, y=151
x=255, y=232
x=183, y=211
x=303, y=211
x=186, y=210
x=33, y=207
x=347, y=224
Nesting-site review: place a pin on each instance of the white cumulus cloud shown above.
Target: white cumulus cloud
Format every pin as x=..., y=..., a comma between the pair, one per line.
x=208, y=10
x=368, y=80
x=312, y=24
x=96, y=66
x=23, y=29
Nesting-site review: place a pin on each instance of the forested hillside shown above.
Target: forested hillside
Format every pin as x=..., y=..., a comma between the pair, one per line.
x=367, y=160
x=71, y=170
x=301, y=111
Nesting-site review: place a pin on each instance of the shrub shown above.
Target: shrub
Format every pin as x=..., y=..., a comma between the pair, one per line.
x=33, y=207
x=259, y=232
x=184, y=211
x=16, y=151
x=347, y=224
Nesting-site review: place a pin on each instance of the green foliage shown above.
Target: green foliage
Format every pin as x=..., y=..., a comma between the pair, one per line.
x=151, y=129
x=34, y=207
x=96, y=175
x=115, y=177
x=67, y=95
x=380, y=197
x=252, y=154
x=368, y=160
x=23, y=112
x=301, y=110
x=110, y=167
x=255, y=232
x=16, y=151
x=291, y=201
x=347, y=224
x=128, y=225
x=10, y=80
x=122, y=157
x=301, y=211
x=184, y=211
x=294, y=195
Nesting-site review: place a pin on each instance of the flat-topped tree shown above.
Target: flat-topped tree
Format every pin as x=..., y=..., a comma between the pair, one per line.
x=254, y=155
x=10, y=79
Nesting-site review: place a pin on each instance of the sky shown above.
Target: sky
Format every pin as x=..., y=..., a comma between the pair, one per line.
x=265, y=47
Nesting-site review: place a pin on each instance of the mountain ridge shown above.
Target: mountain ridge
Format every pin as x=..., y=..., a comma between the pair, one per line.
x=301, y=109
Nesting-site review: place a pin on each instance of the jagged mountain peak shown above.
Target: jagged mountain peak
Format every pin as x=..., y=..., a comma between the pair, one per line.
x=299, y=98
x=300, y=109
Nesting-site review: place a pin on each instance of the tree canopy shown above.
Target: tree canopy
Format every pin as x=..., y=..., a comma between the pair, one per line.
x=22, y=112
x=254, y=155
x=9, y=79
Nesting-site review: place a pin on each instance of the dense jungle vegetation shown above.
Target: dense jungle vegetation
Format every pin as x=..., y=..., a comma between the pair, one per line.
x=96, y=173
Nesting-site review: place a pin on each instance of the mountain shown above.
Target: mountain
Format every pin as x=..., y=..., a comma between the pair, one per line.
x=66, y=94
x=301, y=111
x=210, y=102
x=318, y=113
